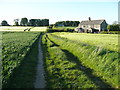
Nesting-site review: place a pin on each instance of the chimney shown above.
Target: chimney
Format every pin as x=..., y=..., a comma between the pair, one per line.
x=89, y=19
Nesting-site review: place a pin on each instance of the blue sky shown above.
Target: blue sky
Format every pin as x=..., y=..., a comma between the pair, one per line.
x=59, y=10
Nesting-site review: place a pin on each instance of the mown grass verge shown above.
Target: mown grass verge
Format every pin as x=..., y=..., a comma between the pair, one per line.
x=104, y=63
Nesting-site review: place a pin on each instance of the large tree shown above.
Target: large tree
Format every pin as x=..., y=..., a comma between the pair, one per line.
x=24, y=22
x=4, y=23
x=16, y=22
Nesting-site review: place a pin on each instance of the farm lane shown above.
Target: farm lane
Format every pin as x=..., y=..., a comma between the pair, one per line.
x=40, y=79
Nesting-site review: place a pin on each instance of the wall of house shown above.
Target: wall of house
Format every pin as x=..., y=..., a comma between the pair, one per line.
x=88, y=27
x=104, y=26
x=98, y=27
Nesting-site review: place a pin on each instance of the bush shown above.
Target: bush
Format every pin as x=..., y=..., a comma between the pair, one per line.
x=114, y=32
x=110, y=32
x=104, y=32
x=115, y=27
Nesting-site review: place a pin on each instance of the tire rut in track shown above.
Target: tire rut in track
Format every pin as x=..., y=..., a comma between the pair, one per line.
x=40, y=78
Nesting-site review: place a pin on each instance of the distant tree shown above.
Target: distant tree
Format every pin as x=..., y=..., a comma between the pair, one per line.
x=45, y=22
x=115, y=22
x=67, y=23
x=24, y=22
x=16, y=22
x=38, y=22
x=4, y=23
x=109, y=27
x=32, y=22
x=114, y=27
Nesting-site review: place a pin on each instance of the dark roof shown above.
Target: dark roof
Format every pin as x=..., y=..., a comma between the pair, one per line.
x=91, y=22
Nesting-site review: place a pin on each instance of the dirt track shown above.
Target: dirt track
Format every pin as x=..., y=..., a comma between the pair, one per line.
x=40, y=79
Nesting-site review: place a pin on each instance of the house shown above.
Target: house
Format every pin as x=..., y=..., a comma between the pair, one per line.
x=92, y=26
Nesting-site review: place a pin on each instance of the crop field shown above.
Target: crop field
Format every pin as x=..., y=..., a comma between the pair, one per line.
x=107, y=41
x=12, y=28
x=75, y=60
x=41, y=29
x=20, y=28
x=16, y=52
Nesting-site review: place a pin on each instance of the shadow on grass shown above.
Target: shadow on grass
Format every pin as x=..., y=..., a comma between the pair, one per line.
x=89, y=72
x=23, y=76
x=96, y=80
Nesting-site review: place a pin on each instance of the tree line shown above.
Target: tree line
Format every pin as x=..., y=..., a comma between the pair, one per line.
x=26, y=22
x=114, y=27
x=45, y=22
x=67, y=23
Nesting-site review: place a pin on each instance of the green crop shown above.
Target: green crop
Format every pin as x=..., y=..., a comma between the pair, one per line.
x=15, y=47
x=107, y=41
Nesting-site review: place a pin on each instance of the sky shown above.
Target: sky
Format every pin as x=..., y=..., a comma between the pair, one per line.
x=59, y=10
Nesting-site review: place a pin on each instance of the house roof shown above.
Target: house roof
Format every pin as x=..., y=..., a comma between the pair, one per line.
x=91, y=22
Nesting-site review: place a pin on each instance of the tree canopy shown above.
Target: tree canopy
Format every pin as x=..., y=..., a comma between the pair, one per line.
x=4, y=23
x=114, y=27
x=16, y=22
x=24, y=22
x=38, y=22
x=67, y=23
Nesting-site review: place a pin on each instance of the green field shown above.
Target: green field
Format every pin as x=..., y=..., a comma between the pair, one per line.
x=13, y=28
x=107, y=41
x=73, y=58
x=17, y=58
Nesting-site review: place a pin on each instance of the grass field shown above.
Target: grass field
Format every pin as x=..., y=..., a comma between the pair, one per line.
x=67, y=57
x=19, y=54
x=107, y=41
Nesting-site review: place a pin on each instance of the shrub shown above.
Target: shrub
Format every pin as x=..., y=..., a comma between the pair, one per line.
x=110, y=32
x=104, y=32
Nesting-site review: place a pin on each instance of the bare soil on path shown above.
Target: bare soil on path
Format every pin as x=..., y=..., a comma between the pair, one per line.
x=40, y=78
